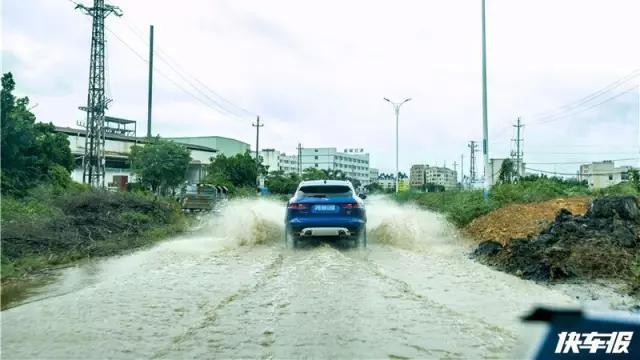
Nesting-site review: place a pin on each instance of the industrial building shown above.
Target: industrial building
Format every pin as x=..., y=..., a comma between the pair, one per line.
x=223, y=145
x=117, y=148
x=603, y=173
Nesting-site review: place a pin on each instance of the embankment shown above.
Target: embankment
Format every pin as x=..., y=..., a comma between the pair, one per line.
x=47, y=229
x=603, y=243
x=545, y=230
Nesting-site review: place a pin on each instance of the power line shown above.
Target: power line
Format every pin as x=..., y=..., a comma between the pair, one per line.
x=560, y=117
x=168, y=60
x=574, y=174
x=581, y=153
x=161, y=73
x=575, y=162
x=635, y=73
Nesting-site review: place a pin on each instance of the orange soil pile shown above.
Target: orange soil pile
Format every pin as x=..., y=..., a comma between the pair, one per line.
x=522, y=220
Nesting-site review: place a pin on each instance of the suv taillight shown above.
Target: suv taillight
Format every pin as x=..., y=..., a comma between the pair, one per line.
x=351, y=206
x=297, y=206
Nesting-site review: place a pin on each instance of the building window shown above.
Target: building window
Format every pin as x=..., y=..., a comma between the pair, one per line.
x=610, y=177
x=316, y=165
x=316, y=150
x=316, y=157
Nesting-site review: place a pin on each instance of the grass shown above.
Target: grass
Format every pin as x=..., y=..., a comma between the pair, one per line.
x=461, y=207
x=49, y=228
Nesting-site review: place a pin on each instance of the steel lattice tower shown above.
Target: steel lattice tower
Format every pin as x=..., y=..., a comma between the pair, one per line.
x=93, y=162
x=473, y=147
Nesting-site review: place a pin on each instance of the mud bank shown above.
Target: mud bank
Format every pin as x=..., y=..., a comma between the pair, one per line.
x=601, y=244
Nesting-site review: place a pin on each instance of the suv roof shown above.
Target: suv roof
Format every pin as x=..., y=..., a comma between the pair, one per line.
x=325, y=182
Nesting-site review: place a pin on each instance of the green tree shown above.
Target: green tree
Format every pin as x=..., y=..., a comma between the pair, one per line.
x=314, y=174
x=160, y=164
x=280, y=183
x=507, y=172
x=30, y=150
x=239, y=170
x=433, y=187
x=634, y=177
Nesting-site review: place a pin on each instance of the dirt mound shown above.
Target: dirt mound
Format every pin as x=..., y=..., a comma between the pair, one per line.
x=603, y=243
x=522, y=220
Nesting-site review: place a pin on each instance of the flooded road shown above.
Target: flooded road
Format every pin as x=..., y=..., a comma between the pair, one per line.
x=231, y=289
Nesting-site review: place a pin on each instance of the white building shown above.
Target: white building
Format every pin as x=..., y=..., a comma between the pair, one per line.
x=421, y=175
x=387, y=182
x=416, y=175
x=603, y=173
x=276, y=160
x=354, y=163
x=493, y=170
x=373, y=175
x=117, y=149
x=270, y=159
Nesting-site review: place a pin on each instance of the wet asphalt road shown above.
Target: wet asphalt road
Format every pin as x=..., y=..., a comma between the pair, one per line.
x=230, y=289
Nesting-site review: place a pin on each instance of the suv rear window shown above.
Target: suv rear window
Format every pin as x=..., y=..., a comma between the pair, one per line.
x=325, y=190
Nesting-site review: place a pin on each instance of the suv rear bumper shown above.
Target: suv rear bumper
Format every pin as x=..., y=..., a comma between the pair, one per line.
x=331, y=225
x=325, y=231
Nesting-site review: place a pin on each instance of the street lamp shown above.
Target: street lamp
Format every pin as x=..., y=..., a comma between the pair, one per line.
x=396, y=108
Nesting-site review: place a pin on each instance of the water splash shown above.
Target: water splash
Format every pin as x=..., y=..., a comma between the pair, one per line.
x=248, y=222
x=407, y=226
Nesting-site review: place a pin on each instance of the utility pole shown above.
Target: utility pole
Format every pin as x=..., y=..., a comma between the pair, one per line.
x=455, y=169
x=93, y=161
x=257, y=125
x=485, y=126
x=150, y=93
x=462, y=169
x=518, y=154
x=299, y=159
x=396, y=108
x=473, y=147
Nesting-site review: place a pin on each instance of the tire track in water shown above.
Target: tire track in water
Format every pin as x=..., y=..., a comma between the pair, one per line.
x=211, y=316
x=465, y=321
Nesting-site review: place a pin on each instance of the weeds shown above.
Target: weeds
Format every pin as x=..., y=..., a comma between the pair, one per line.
x=46, y=228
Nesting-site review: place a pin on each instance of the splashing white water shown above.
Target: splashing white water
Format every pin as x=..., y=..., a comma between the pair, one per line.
x=250, y=222
x=407, y=226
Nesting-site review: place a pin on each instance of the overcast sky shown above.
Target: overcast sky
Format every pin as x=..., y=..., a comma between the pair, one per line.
x=316, y=72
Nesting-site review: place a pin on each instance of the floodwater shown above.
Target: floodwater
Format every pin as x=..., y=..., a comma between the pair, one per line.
x=230, y=289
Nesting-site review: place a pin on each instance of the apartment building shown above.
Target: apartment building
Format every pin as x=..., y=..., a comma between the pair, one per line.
x=421, y=175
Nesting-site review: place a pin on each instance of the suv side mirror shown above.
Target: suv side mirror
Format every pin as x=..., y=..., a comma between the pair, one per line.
x=362, y=196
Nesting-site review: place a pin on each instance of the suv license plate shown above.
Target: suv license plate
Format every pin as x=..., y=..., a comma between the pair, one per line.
x=325, y=208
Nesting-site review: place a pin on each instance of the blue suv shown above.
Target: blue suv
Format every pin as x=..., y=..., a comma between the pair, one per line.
x=326, y=208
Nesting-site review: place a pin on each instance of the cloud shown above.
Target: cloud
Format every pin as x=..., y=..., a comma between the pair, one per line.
x=316, y=72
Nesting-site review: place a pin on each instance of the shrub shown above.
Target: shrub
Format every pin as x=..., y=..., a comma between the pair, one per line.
x=46, y=227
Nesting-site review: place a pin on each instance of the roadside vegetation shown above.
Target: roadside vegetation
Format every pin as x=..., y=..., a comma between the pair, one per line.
x=548, y=228
x=49, y=227
x=48, y=220
x=463, y=206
